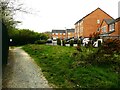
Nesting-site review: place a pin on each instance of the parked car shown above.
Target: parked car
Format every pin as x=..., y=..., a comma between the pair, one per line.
x=49, y=41
x=85, y=41
x=76, y=40
x=95, y=44
x=54, y=41
x=67, y=41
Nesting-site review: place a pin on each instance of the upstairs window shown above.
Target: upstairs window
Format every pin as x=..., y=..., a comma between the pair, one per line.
x=112, y=27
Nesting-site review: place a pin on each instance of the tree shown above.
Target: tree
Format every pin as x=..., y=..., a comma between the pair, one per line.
x=58, y=41
x=8, y=9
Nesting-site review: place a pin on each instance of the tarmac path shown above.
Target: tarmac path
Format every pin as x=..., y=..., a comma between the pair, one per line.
x=22, y=72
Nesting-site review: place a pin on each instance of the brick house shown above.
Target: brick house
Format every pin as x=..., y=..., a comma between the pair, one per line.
x=110, y=27
x=107, y=26
x=70, y=33
x=117, y=28
x=58, y=34
x=90, y=23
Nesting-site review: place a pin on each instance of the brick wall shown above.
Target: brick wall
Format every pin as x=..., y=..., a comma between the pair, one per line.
x=59, y=35
x=70, y=34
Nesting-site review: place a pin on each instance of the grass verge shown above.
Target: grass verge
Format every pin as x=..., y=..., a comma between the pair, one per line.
x=65, y=67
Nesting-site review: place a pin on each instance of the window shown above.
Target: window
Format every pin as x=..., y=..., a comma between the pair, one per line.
x=68, y=33
x=63, y=33
x=60, y=33
x=52, y=33
x=104, y=29
x=112, y=27
x=56, y=33
x=98, y=21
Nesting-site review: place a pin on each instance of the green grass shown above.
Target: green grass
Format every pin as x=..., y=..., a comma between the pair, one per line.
x=65, y=67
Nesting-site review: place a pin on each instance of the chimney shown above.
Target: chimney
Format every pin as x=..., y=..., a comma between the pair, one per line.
x=119, y=9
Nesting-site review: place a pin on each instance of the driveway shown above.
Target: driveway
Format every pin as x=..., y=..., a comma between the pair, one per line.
x=22, y=72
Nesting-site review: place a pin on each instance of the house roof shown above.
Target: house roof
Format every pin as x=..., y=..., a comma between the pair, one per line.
x=91, y=13
x=70, y=30
x=58, y=31
x=118, y=19
x=109, y=21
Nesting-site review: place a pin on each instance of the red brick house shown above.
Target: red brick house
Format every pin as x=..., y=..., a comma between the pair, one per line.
x=107, y=26
x=58, y=34
x=70, y=33
x=116, y=28
x=90, y=23
x=110, y=27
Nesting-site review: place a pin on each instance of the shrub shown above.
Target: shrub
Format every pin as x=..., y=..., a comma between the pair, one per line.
x=78, y=48
x=111, y=45
x=94, y=36
x=58, y=41
x=40, y=42
x=78, y=42
x=71, y=42
x=63, y=42
x=89, y=44
x=99, y=43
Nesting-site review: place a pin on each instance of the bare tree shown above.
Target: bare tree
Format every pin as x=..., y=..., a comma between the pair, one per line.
x=8, y=9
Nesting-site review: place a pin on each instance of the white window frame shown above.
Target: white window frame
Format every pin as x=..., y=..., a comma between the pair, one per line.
x=112, y=27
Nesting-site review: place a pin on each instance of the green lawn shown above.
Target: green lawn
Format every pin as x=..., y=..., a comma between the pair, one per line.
x=65, y=67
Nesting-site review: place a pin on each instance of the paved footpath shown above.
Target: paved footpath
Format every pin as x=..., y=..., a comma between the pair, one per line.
x=22, y=71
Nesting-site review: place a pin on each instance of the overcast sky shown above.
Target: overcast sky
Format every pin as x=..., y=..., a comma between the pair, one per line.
x=61, y=14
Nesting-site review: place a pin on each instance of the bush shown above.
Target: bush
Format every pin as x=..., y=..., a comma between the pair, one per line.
x=99, y=44
x=111, y=45
x=71, y=42
x=78, y=42
x=40, y=42
x=58, y=41
x=94, y=36
x=78, y=48
x=63, y=42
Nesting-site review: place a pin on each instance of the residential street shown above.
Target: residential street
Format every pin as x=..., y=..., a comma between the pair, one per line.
x=22, y=71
